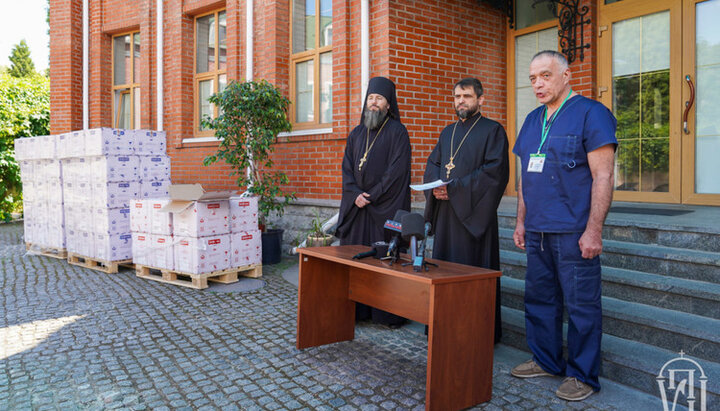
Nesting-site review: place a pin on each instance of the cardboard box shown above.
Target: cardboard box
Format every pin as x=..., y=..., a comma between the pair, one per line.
x=54, y=190
x=55, y=237
x=47, y=147
x=115, y=194
x=112, y=247
x=78, y=193
x=149, y=142
x=76, y=170
x=243, y=214
x=115, y=168
x=154, y=168
x=71, y=145
x=27, y=170
x=52, y=169
x=202, y=255
x=109, y=141
x=162, y=254
x=154, y=189
x=161, y=222
x=141, y=250
x=245, y=248
x=80, y=242
x=197, y=213
x=139, y=216
x=111, y=220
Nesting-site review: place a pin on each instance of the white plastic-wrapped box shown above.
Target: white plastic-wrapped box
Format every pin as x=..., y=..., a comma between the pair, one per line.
x=109, y=141
x=150, y=142
x=139, y=216
x=162, y=255
x=47, y=146
x=201, y=255
x=77, y=170
x=111, y=220
x=114, y=194
x=161, y=222
x=154, y=167
x=203, y=218
x=27, y=170
x=112, y=247
x=141, y=248
x=113, y=168
x=70, y=145
x=78, y=193
x=245, y=248
x=154, y=189
x=243, y=214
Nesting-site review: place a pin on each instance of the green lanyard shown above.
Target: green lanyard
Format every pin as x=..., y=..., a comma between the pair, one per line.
x=546, y=126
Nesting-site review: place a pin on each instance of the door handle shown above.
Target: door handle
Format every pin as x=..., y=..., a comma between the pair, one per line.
x=688, y=104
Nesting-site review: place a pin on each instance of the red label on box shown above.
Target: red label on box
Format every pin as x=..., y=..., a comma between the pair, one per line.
x=211, y=242
x=214, y=205
x=157, y=205
x=141, y=237
x=246, y=237
x=161, y=240
x=138, y=205
x=184, y=242
x=243, y=203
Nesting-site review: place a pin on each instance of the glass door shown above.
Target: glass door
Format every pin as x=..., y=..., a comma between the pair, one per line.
x=639, y=80
x=701, y=100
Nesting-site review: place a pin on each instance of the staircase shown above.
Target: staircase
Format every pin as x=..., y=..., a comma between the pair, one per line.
x=661, y=291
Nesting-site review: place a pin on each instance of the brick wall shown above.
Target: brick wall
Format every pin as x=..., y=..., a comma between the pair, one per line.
x=425, y=46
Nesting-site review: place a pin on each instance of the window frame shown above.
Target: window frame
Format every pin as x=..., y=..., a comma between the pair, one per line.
x=132, y=87
x=208, y=75
x=302, y=57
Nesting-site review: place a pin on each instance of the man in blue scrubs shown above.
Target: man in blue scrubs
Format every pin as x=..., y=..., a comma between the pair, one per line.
x=567, y=151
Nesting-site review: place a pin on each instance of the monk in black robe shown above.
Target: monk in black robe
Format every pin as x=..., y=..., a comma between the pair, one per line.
x=376, y=176
x=473, y=155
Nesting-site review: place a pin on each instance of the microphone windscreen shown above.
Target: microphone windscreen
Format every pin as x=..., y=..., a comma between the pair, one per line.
x=413, y=224
x=399, y=215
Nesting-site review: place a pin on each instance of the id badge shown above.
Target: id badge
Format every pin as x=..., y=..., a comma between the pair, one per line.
x=536, y=163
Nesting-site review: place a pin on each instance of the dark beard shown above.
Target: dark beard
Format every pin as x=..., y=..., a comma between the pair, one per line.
x=464, y=113
x=374, y=118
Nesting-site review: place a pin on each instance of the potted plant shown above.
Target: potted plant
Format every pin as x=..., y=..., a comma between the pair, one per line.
x=317, y=237
x=251, y=114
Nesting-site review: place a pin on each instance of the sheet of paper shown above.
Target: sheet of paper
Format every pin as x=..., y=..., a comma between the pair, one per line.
x=429, y=186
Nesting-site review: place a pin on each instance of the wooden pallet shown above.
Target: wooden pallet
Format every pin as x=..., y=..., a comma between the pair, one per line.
x=59, y=253
x=197, y=281
x=110, y=267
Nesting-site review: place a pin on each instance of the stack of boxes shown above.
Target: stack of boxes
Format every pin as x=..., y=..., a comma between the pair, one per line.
x=104, y=170
x=41, y=173
x=195, y=232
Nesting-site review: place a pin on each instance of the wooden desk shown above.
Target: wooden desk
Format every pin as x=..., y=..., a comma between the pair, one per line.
x=456, y=301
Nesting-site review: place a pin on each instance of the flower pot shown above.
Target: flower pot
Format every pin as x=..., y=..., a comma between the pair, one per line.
x=272, y=246
x=313, y=241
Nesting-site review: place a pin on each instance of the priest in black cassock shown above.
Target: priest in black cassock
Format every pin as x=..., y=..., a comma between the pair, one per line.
x=472, y=154
x=376, y=177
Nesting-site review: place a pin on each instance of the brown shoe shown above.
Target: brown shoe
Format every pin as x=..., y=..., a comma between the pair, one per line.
x=529, y=369
x=573, y=389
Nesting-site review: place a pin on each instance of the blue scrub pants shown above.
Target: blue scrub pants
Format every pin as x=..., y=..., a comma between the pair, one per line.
x=557, y=277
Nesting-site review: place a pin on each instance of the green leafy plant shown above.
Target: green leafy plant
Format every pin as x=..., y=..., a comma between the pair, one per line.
x=24, y=112
x=251, y=116
x=316, y=237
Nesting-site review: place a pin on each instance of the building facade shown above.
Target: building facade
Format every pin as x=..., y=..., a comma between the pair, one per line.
x=655, y=63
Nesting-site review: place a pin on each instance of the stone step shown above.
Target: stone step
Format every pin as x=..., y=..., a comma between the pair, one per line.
x=672, y=330
x=625, y=361
x=669, y=261
x=689, y=296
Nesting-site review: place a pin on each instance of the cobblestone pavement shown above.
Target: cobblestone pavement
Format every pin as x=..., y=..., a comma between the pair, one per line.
x=73, y=338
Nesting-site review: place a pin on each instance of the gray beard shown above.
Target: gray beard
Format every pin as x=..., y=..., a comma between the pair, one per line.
x=373, y=119
x=464, y=113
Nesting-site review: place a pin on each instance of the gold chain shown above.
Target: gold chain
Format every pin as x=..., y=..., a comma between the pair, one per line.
x=450, y=165
x=367, y=141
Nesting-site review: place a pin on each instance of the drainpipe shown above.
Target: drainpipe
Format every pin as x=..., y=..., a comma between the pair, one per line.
x=159, y=65
x=249, y=40
x=85, y=71
x=364, y=47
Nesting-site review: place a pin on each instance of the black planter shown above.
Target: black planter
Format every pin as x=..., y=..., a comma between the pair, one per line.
x=272, y=246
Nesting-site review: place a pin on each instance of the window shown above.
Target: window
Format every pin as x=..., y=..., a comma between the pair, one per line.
x=210, y=66
x=126, y=62
x=311, y=63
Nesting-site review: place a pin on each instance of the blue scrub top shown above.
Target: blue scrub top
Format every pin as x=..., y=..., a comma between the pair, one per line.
x=558, y=199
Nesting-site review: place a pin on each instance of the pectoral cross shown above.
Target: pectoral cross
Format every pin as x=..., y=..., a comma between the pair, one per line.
x=362, y=162
x=449, y=166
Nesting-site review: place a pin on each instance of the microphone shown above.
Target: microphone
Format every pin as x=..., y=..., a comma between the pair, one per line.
x=395, y=227
x=413, y=230
x=379, y=248
x=419, y=260
x=365, y=254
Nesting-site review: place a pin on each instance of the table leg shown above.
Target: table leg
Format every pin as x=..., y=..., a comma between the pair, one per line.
x=460, y=344
x=325, y=314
